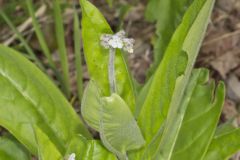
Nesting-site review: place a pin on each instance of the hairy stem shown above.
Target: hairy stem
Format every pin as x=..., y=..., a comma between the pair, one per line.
x=111, y=70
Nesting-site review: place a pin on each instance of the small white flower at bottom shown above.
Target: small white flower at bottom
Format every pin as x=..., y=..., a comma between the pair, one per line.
x=72, y=156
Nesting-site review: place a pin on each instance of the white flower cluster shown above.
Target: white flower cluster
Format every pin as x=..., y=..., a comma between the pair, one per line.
x=117, y=40
x=72, y=156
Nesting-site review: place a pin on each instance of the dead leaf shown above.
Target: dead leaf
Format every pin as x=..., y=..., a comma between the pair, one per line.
x=225, y=63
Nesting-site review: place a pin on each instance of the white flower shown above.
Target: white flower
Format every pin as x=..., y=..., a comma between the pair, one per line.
x=72, y=156
x=117, y=40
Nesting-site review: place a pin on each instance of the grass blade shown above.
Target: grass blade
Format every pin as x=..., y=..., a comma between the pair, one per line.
x=39, y=34
x=43, y=42
x=78, y=59
x=61, y=46
x=22, y=40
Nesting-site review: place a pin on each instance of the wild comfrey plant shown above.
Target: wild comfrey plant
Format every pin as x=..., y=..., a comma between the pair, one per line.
x=173, y=116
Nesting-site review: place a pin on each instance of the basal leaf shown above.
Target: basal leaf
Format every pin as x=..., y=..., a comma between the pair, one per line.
x=29, y=98
x=191, y=45
x=46, y=149
x=155, y=148
x=118, y=129
x=11, y=149
x=168, y=14
x=91, y=105
x=200, y=121
x=224, y=145
x=93, y=26
x=113, y=119
x=186, y=40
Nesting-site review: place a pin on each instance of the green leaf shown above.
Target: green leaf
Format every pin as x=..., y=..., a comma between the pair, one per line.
x=168, y=14
x=78, y=58
x=225, y=128
x=118, y=129
x=113, y=119
x=141, y=97
x=77, y=146
x=153, y=149
x=46, y=149
x=166, y=81
x=93, y=26
x=62, y=49
x=200, y=120
x=92, y=105
x=88, y=149
x=95, y=150
x=29, y=98
x=224, y=145
x=11, y=149
x=191, y=45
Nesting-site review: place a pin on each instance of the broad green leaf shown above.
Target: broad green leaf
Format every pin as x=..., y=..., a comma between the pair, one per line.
x=113, y=119
x=142, y=94
x=200, y=121
x=224, y=145
x=118, y=129
x=186, y=40
x=191, y=45
x=93, y=26
x=173, y=126
x=92, y=105
x=77, y=146
x=46, y=149
x=11, y=149
x=168, y=14
x=29, y=98
x=96, y=151
x=88, y=149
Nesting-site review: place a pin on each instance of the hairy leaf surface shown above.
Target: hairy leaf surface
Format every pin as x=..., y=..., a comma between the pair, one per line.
x=113, y=119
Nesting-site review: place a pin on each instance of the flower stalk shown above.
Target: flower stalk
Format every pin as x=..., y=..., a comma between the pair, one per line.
x=113, y=42
x=111, y=70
